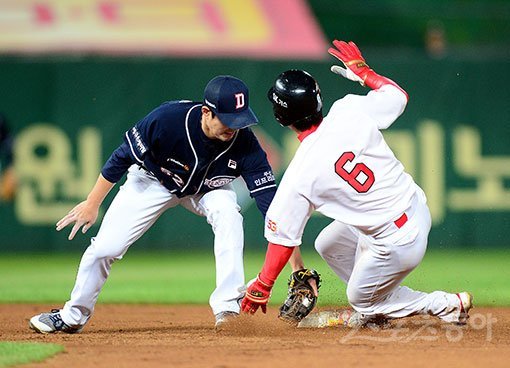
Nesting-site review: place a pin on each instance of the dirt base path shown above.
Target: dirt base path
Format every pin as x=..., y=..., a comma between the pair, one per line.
x=184, y=336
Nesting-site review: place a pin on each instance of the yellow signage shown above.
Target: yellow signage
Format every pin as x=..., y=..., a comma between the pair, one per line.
x=253, y=28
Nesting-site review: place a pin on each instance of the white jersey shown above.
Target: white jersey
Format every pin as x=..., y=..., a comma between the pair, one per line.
x=344, y=170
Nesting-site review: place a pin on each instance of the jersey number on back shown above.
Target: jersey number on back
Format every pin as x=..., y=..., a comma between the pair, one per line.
x=361, y=183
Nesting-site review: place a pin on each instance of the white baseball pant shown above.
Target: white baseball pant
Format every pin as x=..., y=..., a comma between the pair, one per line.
x=138, y=204
x=374, y=267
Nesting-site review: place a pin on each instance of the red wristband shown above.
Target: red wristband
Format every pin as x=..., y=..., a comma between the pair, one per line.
x=376, y=81
x=277, y=257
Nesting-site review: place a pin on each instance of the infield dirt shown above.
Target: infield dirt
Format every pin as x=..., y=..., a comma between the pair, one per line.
x=184, y=336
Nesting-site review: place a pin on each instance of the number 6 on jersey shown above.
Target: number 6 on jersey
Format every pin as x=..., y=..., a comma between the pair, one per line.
x=351, y=177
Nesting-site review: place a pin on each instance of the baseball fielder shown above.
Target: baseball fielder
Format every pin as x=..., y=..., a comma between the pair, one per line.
x=345, y=170
x=182, y=153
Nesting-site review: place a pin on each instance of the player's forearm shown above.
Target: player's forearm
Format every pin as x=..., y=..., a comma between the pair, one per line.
x=277, y=257
x=263, y=200
x=99, y=191
x=296, y=261
x=376, y=81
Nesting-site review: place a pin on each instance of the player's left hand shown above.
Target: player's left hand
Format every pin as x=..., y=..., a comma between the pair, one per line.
x=349, y=54
x=83, y=216
x=257, y=295
x=302, y=296
x=356, y=69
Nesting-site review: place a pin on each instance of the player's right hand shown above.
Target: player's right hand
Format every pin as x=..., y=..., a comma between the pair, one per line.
x=83, y=216
x=257, y=295
x=355, y=67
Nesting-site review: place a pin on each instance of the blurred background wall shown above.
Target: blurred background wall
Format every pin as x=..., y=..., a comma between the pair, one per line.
x=76, y=74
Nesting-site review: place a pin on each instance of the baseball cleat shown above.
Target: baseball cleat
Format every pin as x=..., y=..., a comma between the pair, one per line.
x=223, y=318
x=51, y=322
x=466, y=303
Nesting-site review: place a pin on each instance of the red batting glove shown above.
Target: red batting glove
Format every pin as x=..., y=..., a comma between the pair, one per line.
x=257, y=295
x=356, y=69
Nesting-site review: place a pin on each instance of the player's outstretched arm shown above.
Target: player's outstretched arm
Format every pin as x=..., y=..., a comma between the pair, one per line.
x=296, y=263
x=84, y=215
x=259, y=289
x=355, y=67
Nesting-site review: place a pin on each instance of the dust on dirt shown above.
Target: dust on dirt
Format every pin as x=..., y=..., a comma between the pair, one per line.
x=184, y=336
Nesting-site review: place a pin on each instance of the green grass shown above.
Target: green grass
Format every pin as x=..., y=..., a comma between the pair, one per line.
x=189, y=277
x=12, y=353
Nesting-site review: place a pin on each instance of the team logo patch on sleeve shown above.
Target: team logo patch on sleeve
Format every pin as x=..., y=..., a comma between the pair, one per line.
x=267, y=178
x=138, y=146
x=271, y=225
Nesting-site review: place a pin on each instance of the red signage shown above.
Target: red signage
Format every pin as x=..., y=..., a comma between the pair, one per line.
x=240, y=28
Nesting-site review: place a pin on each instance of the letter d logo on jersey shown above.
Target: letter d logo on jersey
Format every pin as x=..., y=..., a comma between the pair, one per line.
x=239, y=100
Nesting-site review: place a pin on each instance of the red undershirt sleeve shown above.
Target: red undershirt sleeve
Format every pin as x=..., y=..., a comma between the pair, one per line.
x=277, y=257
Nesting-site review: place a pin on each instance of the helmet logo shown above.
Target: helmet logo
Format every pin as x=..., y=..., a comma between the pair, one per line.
x=239, y=100
x=279, y=101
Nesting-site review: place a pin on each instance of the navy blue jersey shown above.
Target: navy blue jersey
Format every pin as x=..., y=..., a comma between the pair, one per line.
x=171, y=145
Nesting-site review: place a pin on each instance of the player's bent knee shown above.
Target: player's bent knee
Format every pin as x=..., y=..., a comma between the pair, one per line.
x=323, y=246
x=228, y=216
x=107, y=249
x=358, y=299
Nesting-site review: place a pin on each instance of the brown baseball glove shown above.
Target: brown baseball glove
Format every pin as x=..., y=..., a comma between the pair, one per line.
x=301, y=298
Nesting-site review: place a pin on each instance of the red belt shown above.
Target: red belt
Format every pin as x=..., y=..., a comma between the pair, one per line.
x=401, y=221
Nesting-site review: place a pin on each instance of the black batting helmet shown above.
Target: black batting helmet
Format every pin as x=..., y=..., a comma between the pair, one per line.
x=296, y=98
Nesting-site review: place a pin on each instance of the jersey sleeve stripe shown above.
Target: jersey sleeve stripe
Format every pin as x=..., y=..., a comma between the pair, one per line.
x=266, y=187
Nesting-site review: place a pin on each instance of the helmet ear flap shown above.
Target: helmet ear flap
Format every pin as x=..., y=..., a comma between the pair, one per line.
x=296, y=99
x=279, y=107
